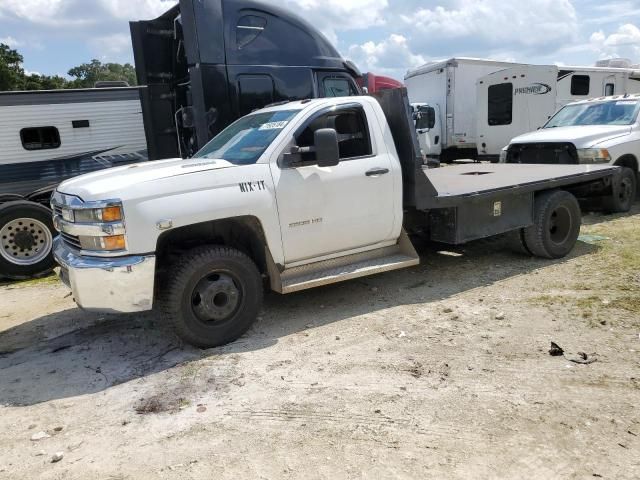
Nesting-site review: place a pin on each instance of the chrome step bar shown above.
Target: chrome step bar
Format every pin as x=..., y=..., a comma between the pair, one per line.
x=401, y=255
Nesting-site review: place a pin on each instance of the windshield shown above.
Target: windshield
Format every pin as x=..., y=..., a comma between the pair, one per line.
x=621, y=112
x=244, y=141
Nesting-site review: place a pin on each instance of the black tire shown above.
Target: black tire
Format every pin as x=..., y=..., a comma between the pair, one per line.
x=211, y=295
x=557, y=221
x=515, y=242
x=624, y=193
x=24, y=257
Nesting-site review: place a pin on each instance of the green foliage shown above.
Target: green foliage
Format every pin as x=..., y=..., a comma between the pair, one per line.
x=87, y=74
x=11, y=72
x=13, y=77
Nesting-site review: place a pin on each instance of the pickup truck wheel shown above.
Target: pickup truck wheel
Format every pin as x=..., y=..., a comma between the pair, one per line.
x=557, y=220
x=213, y=296
x=624, y=193
x=26, y=240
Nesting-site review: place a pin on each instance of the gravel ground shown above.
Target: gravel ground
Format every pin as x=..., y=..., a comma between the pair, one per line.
x=440, y=371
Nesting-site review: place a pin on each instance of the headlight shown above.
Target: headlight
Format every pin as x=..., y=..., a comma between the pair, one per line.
x=503, y=155
x=104, y=244
x=594, y=155
x=98, y=215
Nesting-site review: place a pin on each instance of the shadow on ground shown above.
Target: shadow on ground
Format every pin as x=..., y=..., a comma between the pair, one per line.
x=109, y=350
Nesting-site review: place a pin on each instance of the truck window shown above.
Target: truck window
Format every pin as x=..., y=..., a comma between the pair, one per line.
x=338, y=87
x=254, y=91
x=500, y=100
x=40, y=138
x=580, y=85
x=249, y=28
x=353, y=133
x=426, y=118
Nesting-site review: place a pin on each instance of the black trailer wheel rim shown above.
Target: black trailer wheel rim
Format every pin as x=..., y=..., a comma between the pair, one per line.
x=217, y=297
x=25, y=241
x=560, y=224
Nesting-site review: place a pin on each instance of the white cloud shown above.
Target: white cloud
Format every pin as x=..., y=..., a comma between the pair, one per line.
x=392, y=56
x=32, y=10
x=108, y=46
x=496, y=23
x=10, y=41
x=332, y=16
x=624, y=42
x=136, y=9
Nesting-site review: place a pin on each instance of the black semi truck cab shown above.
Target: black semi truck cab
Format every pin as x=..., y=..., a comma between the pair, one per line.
x=209, y=62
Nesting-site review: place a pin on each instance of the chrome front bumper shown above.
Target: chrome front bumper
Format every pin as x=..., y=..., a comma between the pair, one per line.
x=116, y=284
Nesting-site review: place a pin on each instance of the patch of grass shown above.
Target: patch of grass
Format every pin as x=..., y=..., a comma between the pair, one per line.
x=39, y=282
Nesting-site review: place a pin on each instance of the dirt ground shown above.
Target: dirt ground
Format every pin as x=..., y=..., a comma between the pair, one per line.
x=440, y=371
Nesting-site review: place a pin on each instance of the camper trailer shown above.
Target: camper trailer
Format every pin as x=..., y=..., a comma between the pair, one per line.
x=48, y=137
x=523, y=98
x=449, y=88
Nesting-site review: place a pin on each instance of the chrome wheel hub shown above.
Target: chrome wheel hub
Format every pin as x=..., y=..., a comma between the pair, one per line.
x=25, y=241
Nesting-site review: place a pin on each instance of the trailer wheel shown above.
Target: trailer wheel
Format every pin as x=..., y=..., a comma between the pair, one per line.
x=557, y=220
x=212, y=296
x=624, y=193
x=26, y=240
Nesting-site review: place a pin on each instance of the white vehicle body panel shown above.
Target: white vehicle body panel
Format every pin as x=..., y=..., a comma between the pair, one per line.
x=538, y=92
x=451, y=86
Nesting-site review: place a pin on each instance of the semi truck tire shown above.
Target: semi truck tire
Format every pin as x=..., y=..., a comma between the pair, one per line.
x=557, y=221
x=211, y=295
x=624, y=193
x=26, y=240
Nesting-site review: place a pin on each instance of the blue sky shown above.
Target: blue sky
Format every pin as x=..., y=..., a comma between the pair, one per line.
x=383, y=36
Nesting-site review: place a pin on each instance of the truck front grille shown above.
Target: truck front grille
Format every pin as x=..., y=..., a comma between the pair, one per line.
x=71, y=240
x=546, y=153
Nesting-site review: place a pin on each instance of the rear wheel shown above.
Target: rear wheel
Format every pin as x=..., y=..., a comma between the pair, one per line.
x=624, y=193
x=213, y=295
x=26, y=240
x=557, y=220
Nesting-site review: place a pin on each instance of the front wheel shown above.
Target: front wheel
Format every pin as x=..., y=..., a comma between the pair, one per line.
x=557, y=221
x=212, y=296
x=624, y=193
x=26, y=240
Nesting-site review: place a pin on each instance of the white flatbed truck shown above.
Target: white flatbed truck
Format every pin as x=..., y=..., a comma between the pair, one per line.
x=291, y=197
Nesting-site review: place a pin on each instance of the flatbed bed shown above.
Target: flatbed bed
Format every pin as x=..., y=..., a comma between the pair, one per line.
x=456, y=184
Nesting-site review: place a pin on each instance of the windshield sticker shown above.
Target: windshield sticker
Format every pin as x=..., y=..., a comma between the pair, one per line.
x=273, y=126
x=627, y=102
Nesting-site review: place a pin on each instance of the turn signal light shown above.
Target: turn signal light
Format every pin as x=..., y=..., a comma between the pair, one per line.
x=114, y=243
x=111, y=214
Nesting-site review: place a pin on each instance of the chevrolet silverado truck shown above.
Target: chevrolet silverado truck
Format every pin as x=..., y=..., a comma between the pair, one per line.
x=287, y=198
x=597, y=131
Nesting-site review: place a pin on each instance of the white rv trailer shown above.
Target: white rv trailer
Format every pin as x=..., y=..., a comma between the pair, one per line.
x=523, y=98
x=50, y=136
x=449, y=88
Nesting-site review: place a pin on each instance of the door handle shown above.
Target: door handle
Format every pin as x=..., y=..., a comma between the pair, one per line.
x=376, y=172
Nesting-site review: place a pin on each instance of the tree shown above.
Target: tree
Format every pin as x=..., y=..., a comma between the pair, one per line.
x=44, y=82
x=11, y=71
x=87, y=74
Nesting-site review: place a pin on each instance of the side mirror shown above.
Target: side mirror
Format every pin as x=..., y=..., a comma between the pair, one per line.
x=326, y=145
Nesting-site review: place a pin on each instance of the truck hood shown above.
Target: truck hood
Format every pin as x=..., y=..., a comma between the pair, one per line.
x=582, y=137
x=121, y=182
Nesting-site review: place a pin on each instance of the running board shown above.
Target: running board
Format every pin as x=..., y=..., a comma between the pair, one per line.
x=401, y=255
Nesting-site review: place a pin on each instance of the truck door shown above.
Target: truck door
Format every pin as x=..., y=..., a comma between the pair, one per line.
x=429, y=129
x=350, y=206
